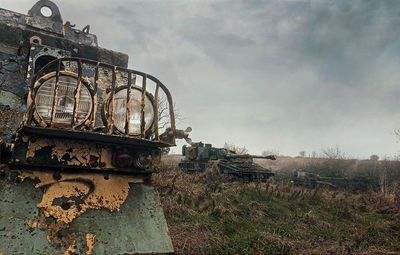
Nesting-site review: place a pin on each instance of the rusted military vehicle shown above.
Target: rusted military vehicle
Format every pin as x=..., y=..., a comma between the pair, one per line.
x=312, y=180
x=199, y=157
x=80, y=139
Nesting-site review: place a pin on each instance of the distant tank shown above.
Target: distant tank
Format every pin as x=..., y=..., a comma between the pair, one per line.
x=312, y=180
x=199, y=157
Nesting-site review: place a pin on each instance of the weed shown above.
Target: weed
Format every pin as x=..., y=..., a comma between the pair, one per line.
x=208, y=213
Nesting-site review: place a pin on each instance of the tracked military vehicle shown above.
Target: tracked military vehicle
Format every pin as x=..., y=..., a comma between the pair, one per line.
x=80, y=139
x=312, y=180
x=199, y=157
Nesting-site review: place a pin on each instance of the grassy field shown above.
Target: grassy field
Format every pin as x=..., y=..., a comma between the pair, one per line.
x=208, y=214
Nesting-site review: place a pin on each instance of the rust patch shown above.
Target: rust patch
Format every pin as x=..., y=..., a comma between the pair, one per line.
x=106, y=157
x=90, y=243
x=51, y=228
x=24, y=138
x=7, y=116
x=35, y=39
x=71, y=249
x=78, y=154
x=92, y=190
x=33, y=147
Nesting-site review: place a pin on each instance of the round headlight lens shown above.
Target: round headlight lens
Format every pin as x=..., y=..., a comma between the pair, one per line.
x=65, y=100
x=120, y=99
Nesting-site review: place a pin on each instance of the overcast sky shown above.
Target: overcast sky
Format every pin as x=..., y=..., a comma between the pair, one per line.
x=284, y=75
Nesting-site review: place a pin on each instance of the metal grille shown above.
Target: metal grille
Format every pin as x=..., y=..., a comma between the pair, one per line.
x=92, y=76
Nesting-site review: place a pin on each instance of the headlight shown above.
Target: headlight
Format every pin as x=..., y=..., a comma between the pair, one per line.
x=120, y=99
x=65, y=99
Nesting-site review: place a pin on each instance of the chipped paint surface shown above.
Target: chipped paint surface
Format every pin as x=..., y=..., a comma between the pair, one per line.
x=70, y=196
x=89, y=243
x=49, y=212
x=8, y=118
x=73, y=154
x=71, y=249
x=79, y=193
x=56, y=152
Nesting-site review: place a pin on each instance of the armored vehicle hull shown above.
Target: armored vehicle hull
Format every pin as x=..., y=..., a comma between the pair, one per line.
x=79, y=142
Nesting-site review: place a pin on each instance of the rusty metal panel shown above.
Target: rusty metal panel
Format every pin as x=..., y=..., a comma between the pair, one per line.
x=91, y=136
x=12, y=94
x=41, y=213
x=12, y=18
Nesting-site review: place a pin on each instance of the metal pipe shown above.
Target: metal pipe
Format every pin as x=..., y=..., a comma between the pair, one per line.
x=111, y=108
x=96, y=80
x=53, y=109
x=128, y=104
x=77, y=94
x=143, y=104
x=156, y=111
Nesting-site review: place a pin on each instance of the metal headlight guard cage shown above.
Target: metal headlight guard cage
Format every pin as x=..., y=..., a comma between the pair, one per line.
x=89, y=76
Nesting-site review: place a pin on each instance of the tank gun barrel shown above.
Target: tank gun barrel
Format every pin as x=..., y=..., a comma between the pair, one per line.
x=271, y=157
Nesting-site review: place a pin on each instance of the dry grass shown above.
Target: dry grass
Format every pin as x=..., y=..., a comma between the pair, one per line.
x=208, y=214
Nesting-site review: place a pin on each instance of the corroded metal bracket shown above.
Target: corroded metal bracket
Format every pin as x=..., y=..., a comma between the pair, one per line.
x=36, y=147
x=52, y=23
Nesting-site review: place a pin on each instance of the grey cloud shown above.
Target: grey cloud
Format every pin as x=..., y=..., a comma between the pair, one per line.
x=290, y=75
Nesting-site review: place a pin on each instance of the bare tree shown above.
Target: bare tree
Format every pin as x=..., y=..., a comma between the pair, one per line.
x=270, y=152
x=236, y=149
x=374, y=157
x=397, y=133
x=333, y=153
x=164, y=120
x=313, y=154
